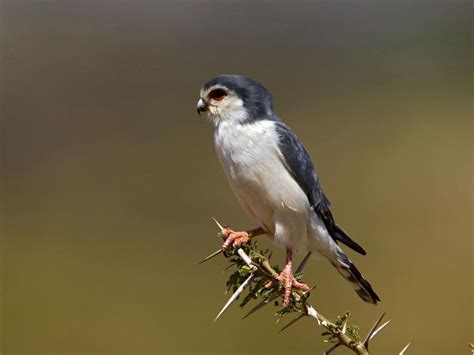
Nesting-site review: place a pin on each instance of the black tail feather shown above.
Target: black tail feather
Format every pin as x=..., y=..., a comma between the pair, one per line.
x=336, y=232
x=361, y=286
x=343, y=237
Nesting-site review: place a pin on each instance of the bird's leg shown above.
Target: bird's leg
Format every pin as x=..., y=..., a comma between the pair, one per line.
x=238, y=239
x=287, y=278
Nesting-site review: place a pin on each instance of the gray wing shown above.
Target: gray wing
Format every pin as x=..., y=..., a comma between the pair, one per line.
x=299, y=164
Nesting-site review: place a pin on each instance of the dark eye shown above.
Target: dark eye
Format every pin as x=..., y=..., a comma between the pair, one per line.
x=217, y=94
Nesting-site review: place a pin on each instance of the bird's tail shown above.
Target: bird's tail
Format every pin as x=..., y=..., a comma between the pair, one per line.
x=348, y=270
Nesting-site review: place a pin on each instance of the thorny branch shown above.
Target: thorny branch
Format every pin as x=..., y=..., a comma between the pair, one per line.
x=254, y=272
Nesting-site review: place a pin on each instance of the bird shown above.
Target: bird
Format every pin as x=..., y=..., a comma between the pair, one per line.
x=272, y=176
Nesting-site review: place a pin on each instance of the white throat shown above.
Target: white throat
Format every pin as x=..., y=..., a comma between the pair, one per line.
x=231, y=111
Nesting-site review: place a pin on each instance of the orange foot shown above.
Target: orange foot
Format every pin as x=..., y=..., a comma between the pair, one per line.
x=286, y=277
x=238, y=239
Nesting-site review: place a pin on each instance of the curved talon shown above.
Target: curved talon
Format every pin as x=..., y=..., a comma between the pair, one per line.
x=300, y=285
x=269, y=284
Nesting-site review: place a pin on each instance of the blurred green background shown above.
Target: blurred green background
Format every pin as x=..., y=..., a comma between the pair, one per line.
x=110, y=178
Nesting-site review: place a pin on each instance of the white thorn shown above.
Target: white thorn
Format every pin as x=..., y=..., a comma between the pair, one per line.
x=234, y=296
x=369, y=335
x=246, y=258
x=344, y=327
x=405, y=348
x=217, y=252
x=378, y=330
x=218, y=224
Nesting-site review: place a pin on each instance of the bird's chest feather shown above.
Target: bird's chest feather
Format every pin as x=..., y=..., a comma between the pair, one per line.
x=253, y=164
x=247, y=152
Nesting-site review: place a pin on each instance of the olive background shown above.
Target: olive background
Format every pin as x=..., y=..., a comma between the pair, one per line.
x=109, y=177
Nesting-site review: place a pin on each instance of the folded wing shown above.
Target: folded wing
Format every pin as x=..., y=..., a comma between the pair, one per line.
x=298, y=163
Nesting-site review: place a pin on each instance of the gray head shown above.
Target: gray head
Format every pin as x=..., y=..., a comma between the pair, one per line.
x=235, y=98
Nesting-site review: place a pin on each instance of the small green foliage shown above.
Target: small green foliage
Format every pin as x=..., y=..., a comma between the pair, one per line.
x=352, y=330
x=297, y=305
x=264, y=285
x=259, y=288
x=256, y=288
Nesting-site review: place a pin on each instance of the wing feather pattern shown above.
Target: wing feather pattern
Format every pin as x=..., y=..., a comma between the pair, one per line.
x=297, y=161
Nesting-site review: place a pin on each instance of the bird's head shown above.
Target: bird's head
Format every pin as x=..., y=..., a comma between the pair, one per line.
x=235, y=98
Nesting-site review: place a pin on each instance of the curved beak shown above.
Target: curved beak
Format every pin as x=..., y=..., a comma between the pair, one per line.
x=202, y=106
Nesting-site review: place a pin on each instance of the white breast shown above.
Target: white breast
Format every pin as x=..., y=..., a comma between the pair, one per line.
x=251, y=160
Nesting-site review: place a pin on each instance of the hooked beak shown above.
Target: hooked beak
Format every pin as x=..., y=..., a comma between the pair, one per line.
x=202, y=106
